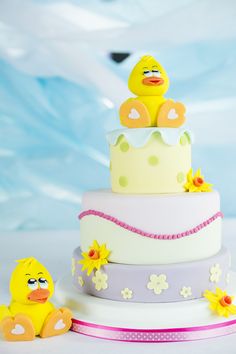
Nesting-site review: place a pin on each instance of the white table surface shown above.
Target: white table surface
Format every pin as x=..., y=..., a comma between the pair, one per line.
x=54, y=249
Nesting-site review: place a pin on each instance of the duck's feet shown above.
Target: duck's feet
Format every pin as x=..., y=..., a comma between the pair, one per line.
x=171, y=114
x=58, y=322
x=134, y=114
x=18, y=328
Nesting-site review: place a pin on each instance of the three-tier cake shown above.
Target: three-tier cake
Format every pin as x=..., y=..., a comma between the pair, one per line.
x=151, y=260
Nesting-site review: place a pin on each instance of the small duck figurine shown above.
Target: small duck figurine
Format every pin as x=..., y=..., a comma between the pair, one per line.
x=30, y=313
x=149, y=82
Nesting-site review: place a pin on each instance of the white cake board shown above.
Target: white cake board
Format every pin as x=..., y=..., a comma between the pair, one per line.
x=143, y=322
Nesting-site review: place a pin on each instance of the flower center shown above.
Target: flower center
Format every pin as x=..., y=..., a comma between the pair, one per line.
x=226, y=301
x=198, y=181
x=93, y=254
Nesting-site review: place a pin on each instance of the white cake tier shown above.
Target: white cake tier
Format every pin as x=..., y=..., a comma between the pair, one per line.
x=152, y=229
x=143, y=322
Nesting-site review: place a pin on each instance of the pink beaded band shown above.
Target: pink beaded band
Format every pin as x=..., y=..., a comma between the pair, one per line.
x=147, y=234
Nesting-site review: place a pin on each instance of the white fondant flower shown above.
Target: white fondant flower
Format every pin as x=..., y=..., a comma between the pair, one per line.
x=73, y=266
x=127, y=293
x=157, y=283
x=227, y=278
x=81, y=281
x=215, y=273
x=100, y=280
x=186, y=291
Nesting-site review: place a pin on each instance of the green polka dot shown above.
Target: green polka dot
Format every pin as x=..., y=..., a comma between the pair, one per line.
x=153, y=160
x=123, y=181
x=180, y=177
x=183, y=140
x=124, y=146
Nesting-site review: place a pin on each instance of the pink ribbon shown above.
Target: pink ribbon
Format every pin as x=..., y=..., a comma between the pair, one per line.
x=154, y=335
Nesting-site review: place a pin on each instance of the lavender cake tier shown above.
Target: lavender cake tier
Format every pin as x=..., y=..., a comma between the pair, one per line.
x=153, y=283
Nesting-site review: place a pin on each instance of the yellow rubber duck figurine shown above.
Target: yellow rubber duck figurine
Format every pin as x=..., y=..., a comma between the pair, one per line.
x=149, y=82
x=30, y=313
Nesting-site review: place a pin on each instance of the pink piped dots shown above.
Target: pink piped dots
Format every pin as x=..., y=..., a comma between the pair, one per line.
x=147, y=234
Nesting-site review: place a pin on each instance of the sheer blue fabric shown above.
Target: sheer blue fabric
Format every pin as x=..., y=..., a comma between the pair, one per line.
x=60, y=92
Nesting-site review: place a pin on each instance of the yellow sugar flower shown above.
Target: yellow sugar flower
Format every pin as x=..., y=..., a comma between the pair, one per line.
x=95, y=257
x=220, y=302
x=196, y=183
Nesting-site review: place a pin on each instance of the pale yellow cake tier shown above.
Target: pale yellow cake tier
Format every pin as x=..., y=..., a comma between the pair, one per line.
x=154, y=167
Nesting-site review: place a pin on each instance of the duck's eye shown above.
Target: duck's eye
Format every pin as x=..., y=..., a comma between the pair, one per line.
x=43, y=283
x=147, y=73
x=32, y=284
x=156, y=73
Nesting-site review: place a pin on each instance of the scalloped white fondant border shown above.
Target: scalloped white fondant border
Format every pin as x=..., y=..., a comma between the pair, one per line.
x=138, y=137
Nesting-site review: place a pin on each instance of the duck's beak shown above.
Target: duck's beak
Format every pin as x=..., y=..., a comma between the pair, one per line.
x=153, y=81
x=39, y=295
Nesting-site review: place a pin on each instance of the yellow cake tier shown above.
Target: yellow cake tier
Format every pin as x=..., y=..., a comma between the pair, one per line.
x=149, y=160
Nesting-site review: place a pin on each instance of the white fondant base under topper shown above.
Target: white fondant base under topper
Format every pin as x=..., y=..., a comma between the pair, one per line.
x=144, y=322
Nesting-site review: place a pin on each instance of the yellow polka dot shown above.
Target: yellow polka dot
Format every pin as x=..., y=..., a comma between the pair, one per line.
x=153, y=160
x=180, y=177
x=110, y=167
x=123, y=181
x=124, y=146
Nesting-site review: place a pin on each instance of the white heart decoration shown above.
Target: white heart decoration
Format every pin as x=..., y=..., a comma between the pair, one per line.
x=134, y=114
x=172, y=114
x=59, y=325
x=18, y=329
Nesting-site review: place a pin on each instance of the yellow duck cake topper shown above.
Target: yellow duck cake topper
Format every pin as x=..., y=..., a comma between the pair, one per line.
x=30, y=313
x=149, y=82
